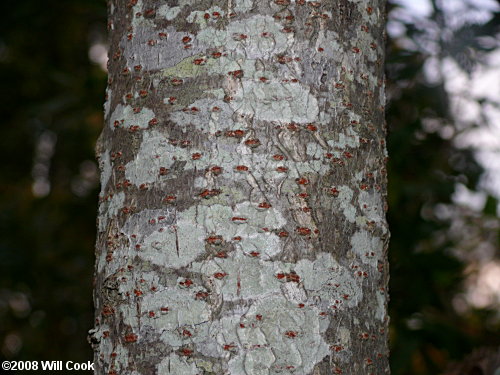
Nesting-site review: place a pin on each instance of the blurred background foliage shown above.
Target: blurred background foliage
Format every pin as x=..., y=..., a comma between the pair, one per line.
x=443, y=209
x=51, y=114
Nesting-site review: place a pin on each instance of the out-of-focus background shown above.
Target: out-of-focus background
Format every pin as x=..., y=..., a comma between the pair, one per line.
x=443, y=114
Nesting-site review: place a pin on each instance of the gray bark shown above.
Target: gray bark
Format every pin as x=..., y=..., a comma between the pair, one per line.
x=242, y=214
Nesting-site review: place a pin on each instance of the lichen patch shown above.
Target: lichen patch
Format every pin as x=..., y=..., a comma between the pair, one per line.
x=125, y=117
x=367, y=246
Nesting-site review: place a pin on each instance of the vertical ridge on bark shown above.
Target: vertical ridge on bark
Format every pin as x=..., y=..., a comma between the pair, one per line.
x=242, y=214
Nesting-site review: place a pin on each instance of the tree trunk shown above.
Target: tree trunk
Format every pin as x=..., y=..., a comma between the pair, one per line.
x=242, y=215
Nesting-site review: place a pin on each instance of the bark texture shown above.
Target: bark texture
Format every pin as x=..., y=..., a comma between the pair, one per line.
x=242, y=215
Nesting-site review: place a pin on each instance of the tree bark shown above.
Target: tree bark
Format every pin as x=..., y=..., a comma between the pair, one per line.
x=242, y=214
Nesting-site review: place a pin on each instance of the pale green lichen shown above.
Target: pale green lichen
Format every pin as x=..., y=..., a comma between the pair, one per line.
x=243, y=5
x=244, y=220
x=183, y=311
x=206, y=118
x=372, y=205
x=344, y=201
x=246, y=276
x=276, y=101
x=106, y=347
x=282, y=327
x=329, y=281
x=182, y=239
x=266, y=243
x=138, y=19
x=179, y=243
x=158, y=55
x=270, y=100
x=168, y=12
x=156, y=152
x=382, y=103
x=269, y=336
x=381, y=311
x=125, y=117
x=256, y=45
x=212, y=37
x=208, y=366
x=270, y=218
x=215, y=93
x=106, y=169
x=353, y=116
x=328, y=41
x=107, y=103
x=186, y=68
x=220, y=333
x=314, y=150
x=367, y=246
x=198, y=16
x=175, y=365
x=287, y=335
x=216, y=218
